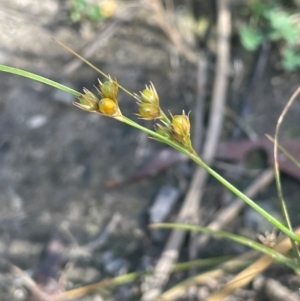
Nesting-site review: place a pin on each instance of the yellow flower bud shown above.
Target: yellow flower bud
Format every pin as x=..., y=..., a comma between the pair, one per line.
x=108, y=107
x=181, y=124
x=110, y=89
x=181, y=128
x=149, y=111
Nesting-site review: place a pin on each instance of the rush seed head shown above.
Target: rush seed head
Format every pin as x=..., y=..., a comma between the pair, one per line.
x=181, y=128
x=149, y=95
x=108, y=107
x=88, y=101
x=149, y=111
x=164, y=131
x=109, y=89
x=181, y=124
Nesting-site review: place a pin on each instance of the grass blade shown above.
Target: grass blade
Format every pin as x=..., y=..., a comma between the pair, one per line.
x=237, y=238
x=38, y=78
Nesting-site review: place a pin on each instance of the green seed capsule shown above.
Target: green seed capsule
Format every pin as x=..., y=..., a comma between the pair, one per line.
x=110, y=89
x=149, y=111
x=149, y=96
x=181, y=124
x=88, y=101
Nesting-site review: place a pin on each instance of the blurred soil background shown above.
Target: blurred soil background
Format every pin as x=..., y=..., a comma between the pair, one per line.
x=58, y=218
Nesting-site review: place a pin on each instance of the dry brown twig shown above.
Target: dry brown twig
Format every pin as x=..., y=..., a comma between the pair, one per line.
x=218, y=105
x=36, y=292
x=160, y=15
x=170, y=253
x=250, y=272
x=178, y=291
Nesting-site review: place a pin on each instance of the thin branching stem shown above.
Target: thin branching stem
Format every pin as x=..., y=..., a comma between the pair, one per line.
x=184, y=149
x=277, y=173
x=91, y=65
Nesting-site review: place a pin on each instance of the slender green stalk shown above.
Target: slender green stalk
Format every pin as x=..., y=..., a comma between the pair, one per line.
x=237, y=238
x=285, y=151
x=227, y=266
x=173, y=144
x=251, y=203
x=278, y=183
x=200, y=263
x=156, y=136
x=91, y=65
x=277, y=173
x=130, y=277
x=39, y=79
x=232, y=188
x=165, y=118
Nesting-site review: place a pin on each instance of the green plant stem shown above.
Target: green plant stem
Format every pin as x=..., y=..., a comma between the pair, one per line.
x=232, y=188
x=251, y=203
x=297, y=163
x=173, y=144
x=285, y=151
x=39, y=79
x=237, y=238
x=277, y=173
x=231, y=265
x=155, y=135
x=165, y=118
x=91, y=65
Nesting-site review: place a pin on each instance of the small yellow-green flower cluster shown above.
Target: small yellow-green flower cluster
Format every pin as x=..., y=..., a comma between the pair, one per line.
x=178, y=129
x=108, y=103
x=181, y=128
x=148, y=103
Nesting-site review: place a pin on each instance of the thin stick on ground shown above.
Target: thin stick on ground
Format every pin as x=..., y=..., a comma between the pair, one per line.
x=198, y=135
x=35, y=291
x=155, y=283
x=218, y=105
x=198, y=124
x=178, y=290
x=170, y=31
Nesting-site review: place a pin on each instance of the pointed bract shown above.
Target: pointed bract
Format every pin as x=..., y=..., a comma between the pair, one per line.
x=149, y=95
x=87, y=101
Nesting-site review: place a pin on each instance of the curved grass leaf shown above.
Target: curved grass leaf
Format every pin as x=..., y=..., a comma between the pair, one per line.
x=38, y=78
x=237, y=238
